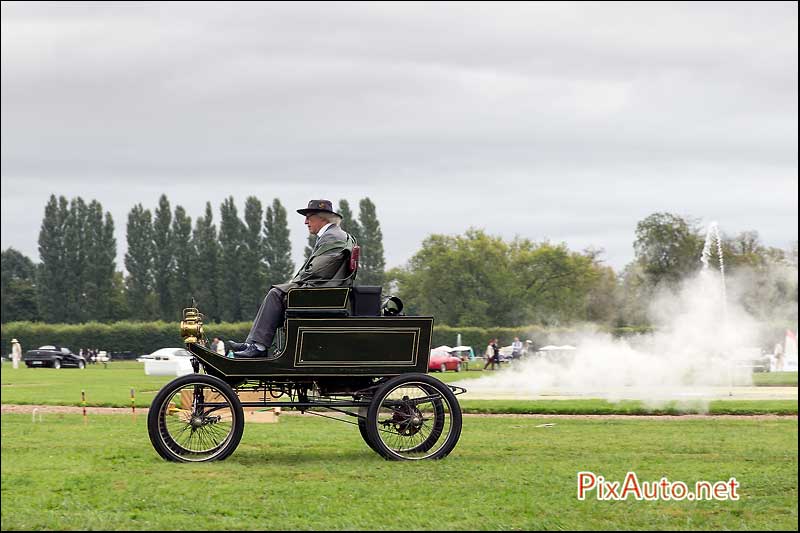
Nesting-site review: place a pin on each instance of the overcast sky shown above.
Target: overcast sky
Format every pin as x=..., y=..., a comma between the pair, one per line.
x=562, y=121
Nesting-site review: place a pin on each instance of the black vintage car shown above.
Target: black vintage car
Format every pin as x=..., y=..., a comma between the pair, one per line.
x=340, y=349
x=53, y=357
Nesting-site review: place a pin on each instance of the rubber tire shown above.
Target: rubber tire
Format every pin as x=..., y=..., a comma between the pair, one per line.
x=443, y=368
x=377, y=400
x=166, y=393
x=458, y=367
x=81, y=365
x=362, y=428
x=56, y=364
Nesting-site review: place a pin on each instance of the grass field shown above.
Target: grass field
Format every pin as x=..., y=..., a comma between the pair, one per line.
x=110, y=387
x=779, y=379
x=309, y=473
x=760, y=379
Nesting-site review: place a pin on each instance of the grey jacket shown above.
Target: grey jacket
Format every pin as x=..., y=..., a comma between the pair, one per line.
x=328, y=265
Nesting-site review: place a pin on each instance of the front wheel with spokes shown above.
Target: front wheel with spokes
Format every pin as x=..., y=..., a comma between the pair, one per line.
x=195, y=418
x=414, y=417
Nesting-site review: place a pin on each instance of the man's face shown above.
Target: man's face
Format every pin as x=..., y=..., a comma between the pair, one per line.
x=314, y=223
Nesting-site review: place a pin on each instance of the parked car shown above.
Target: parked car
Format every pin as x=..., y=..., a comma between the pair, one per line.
x=167, y=362
x=465, y=352
x=442, y=361
x=53, y=356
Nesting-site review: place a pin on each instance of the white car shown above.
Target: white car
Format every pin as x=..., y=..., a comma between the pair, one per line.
x=167, y=362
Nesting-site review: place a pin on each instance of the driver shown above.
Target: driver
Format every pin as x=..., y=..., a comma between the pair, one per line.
x=325, y=267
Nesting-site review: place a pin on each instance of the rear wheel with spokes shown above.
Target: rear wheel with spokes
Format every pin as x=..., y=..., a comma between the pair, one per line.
x=414, y=417
x=195, y=418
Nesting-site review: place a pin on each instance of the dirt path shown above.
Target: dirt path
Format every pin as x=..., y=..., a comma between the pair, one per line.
x=67, y=409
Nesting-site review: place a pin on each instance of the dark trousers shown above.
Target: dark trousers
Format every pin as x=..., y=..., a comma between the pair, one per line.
x=268, y=318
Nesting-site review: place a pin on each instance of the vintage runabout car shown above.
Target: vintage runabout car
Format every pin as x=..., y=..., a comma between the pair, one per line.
x=54, y=357
x=340, y=349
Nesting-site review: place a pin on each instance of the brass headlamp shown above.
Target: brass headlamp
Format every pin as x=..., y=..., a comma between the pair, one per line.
x=192, y=326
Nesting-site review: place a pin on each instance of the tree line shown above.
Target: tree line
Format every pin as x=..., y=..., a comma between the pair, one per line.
x=473, y=279
x=476, y=279
x=169, y=261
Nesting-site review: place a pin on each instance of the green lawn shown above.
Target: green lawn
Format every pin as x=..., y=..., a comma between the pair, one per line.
x=105, y=386
x=110, y=386
x=630, y=407
x=775, y=379
x=760, y=379
x=309, y=473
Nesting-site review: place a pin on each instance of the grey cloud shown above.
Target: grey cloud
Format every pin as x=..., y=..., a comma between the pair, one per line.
x=609, y=111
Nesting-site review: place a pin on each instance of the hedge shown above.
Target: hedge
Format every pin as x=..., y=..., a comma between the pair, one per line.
x=146, y=337
x=539, y=336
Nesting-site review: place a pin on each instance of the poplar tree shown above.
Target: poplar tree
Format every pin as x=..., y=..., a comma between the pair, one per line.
x=139, y=263
x=184, y=255
x=51, y=282
x=163, y=258
x=93, y=232
x=205, y=274
x=75, y=262
x=277, y=245
x=106, y=271
x=231, y=229
x=349, y=223
x=371, y=264
x=101, y=253
x=312, y=240
x=252, y=265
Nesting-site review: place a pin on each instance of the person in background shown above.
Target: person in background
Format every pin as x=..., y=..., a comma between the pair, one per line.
x=218, y=346
x=528, y=347
x=777, y=355
x=516, y=348
x=488, y=354
x=492, y=354
x=496, y=350
x=16, y=353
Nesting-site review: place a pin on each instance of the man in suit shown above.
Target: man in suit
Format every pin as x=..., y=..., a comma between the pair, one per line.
x=327, y=266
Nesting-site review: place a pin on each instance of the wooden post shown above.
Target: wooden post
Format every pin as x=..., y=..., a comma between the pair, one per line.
x=83, y=403
x=133, y=405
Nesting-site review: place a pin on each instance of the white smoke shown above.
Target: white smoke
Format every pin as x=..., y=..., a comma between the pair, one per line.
x=701, y=342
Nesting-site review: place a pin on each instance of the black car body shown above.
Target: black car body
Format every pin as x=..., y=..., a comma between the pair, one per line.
x=54, y=357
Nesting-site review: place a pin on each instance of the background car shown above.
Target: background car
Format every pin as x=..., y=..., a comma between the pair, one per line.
x=167, y=362
x=54, y=357
x=442, y=361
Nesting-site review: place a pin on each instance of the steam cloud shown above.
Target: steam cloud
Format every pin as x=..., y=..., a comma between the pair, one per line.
x=702, y=342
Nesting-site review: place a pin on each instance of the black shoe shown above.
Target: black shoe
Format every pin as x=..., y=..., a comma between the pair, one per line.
x=234, y=346
x=250, y=351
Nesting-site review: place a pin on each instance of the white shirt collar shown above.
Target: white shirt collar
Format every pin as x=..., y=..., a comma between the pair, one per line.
x=324, y=229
